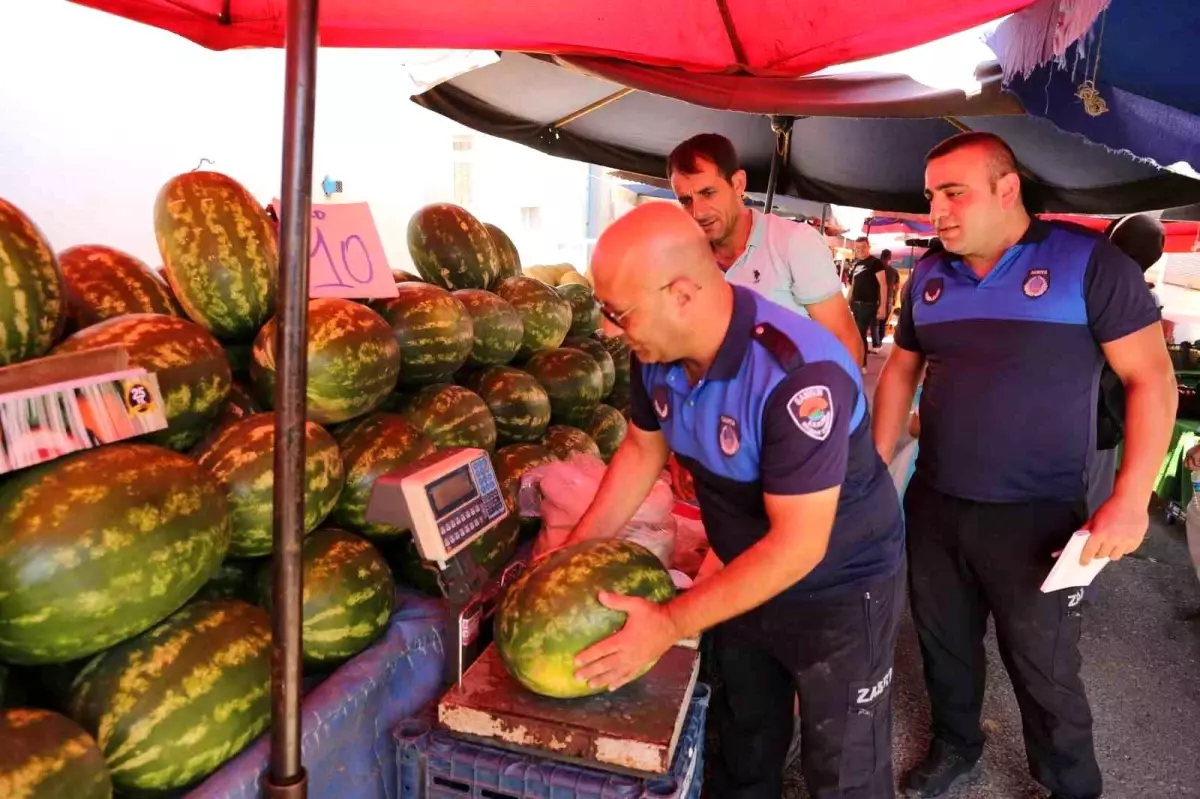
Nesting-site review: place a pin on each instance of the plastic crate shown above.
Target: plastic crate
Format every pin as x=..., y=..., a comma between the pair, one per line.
x=433, y=764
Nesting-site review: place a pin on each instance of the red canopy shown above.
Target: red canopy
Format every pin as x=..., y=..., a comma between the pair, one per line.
x=780, y=37
x=1181, y=236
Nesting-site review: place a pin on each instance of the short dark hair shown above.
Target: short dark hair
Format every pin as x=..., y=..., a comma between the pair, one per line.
x=885, y=254
x=861, y=239
x=1139, y=236
x=711, y=147
x=1001, y=159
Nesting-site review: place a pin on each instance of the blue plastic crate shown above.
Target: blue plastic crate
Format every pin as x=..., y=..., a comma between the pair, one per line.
x=433, y=764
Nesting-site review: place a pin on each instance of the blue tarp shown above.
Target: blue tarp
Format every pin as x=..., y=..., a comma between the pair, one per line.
x=348, y=749
x=1146, y=74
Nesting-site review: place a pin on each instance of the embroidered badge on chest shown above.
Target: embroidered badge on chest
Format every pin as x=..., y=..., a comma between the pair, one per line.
x=662, y=403
x=728, y=437
x=1037, y=283
x=811, y=409
x=933, y=291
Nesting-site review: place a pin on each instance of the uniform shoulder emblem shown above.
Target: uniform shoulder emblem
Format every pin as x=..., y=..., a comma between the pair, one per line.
x=1037, y=283
x=662, y=402
x=811, y=408
x=933, y=290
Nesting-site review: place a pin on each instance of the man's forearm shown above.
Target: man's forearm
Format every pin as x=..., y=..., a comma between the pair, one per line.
x=762, y=572
x=893, y=401
x=1149, y=417
x=626, y=484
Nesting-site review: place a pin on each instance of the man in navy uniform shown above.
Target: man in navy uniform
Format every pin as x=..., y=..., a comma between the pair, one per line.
x=766, y=409
x=1011, y=325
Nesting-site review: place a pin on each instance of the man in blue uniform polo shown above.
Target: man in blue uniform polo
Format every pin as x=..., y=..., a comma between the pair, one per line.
x=1011, y=326
x=766, y=410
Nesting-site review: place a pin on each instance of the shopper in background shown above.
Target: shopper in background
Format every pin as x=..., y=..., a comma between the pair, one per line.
x=767, y=410
x=868, y=290
x=1008, y=424
x=892, y=277
x=787, y=262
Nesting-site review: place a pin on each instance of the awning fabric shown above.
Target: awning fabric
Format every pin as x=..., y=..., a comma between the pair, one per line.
x=763, y=37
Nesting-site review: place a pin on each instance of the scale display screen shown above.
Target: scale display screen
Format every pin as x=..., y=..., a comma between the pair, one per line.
x=451, y=491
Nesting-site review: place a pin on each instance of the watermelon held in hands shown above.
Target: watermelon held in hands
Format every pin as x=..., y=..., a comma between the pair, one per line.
x=506, y=251
x=220, y=253
x=33, y=303
x=172, y=705
x=585, y=310
x=498, y=329
x=594, y=348
x=518, y=403
x=565, y=441
x=348, y=595
x=453, y=416
x=433, y=329
x=353, y=361
x=545, y=314
x=47, y=756
x=377, y=445
x=572, y=380
x=241, y=456
x=550, y=613
x=103, y=282
x=608, y=429
x=451, y=248
x=192, y=370
x=100, y=545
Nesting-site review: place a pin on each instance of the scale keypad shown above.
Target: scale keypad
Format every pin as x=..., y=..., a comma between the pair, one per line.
x=486, y=508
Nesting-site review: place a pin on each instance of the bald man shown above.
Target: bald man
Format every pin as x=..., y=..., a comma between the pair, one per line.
x=1011, y=326
x=766, y=410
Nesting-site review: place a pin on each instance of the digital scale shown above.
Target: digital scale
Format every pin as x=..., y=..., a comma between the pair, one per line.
x=448, y=500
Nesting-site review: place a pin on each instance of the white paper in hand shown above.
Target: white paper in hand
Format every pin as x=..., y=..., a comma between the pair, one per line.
x=1067, y=573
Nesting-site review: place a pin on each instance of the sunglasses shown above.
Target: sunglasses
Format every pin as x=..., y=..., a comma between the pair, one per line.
x=612, y=315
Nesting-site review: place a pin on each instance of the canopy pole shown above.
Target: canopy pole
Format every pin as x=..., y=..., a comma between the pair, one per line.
x=824, y=211
x=782, y=127
x=286, y=778
x=587, y=109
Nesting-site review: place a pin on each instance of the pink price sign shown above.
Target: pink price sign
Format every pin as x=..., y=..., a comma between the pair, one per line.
x=346, y=257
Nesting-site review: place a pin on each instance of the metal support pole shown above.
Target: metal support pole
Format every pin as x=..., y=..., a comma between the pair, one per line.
x=286, y=778
x=824, y=213
x=782, y=127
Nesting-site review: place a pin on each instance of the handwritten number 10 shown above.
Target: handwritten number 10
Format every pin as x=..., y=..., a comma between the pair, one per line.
x=345, y=248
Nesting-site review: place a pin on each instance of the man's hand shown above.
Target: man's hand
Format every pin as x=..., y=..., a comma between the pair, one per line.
x=1192, y=459
x=882, y=315
x=648, y=633
x=1117, y=529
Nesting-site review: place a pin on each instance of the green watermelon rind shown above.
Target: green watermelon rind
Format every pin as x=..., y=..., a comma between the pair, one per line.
x=545, y=314
x=46, y=755
x=550, y=613
x=566, y=441
x=100, y=545
x=572, y=380
x=104, y=282
x=453, y=416
x=519, y=404
x=497, y=327
x=433, y=329
x=508, y=257
x=608, y=430
x=380, y=443
x=585, y=310
x=599, y=352
x=451, y=248
x=33, y=302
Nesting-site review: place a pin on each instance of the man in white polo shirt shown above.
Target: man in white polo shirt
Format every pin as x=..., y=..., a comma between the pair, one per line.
x=787, y=262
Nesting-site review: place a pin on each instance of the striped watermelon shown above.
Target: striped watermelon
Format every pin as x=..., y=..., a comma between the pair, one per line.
x=370, y=449
x=241, y=456
x=453, y=416
x=618, y=348
x=574, y=382
x=491, y=552
x=172, y=705
x=550, y=613
x=594, y=348
x=565, y=441
x=33, y=305
x=103, y=282
x=619, y=397
x=433, y=329
x=585, y=310
x=193, y=373
x=545, y=315
x=220, y=253
x=608, y=430
x=498, y=329
x=510, y=464
x=100, y=545
x=48, y=756
x=518, y=403
x=506, y=251
x=353, y=361
x=348, y=596
x=451, y=248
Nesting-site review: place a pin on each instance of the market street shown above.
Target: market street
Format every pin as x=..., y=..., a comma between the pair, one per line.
x=1141, y=660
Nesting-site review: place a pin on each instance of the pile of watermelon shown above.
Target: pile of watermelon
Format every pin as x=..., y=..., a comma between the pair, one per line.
x=156, y=551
